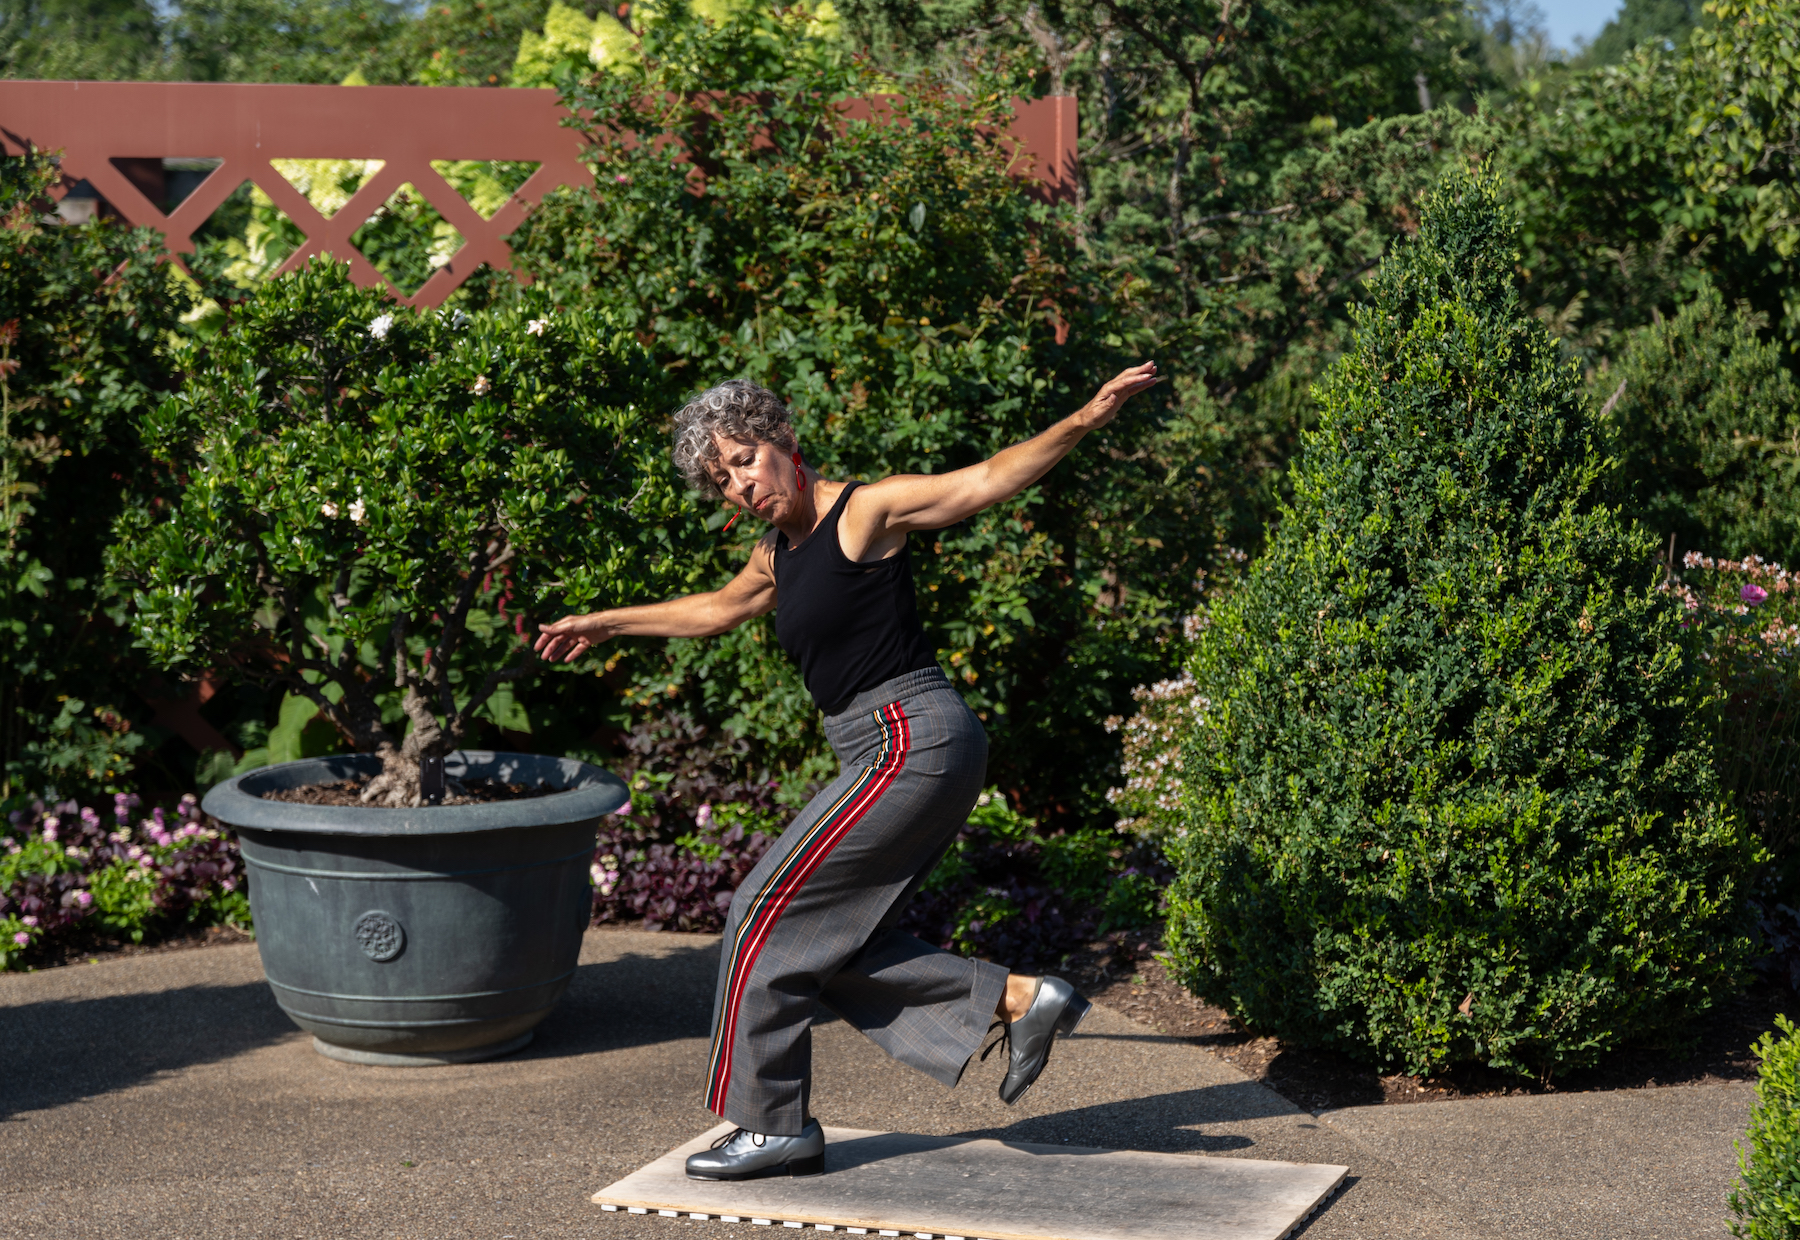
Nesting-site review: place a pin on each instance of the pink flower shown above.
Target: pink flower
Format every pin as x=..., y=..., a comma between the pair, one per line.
x=1693, y=604
x=22, y=939
x=1753, y=595
x=50, y=825
x=29, y=921
x=622, y=179
x=84, y=898
x=703, y=817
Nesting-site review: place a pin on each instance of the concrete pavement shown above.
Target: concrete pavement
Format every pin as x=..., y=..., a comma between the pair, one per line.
x=166, y=1096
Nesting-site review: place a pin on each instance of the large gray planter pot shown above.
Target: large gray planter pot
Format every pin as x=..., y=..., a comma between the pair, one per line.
x=442, y=934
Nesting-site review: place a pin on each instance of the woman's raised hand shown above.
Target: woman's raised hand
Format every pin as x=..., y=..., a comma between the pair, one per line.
x=1116, y=391
x=565, y=640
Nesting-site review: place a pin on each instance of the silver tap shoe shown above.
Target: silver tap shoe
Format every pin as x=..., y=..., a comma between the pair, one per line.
x=1055, y=1009
x=746, y=1155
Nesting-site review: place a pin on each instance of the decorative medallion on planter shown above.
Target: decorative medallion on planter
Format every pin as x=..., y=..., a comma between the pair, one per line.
x=382, y=937
x=464, y=921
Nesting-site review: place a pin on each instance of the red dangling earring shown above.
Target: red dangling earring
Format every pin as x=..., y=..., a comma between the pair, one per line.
x=799, y=473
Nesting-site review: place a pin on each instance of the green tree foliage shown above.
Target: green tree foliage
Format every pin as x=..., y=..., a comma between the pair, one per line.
x=1766, y=1200
x=1747, y=122
x=463, y=43
x=379, y=505
x=1707, y=425
x=1451, y=797
x=319, y=41
x=89, y=39
x=920, y=311
x=206, y=41
x=85, y=317
x=1663, y=24
x=1620, y=220
x=1246, y=166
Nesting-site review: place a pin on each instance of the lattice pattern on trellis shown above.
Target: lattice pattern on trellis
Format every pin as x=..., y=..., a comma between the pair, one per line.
x=405, y=127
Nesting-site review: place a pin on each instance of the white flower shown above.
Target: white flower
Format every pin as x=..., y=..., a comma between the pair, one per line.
x=482, y=387
x=357, y=512
x=378, y=328
x=536, y=326
x=328, y=508
x=456, y=319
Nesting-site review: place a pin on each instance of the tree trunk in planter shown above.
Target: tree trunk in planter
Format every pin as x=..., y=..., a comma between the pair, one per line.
x=439, y=934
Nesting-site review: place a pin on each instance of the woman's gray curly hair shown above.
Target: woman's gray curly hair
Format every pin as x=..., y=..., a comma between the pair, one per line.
x=736, y=409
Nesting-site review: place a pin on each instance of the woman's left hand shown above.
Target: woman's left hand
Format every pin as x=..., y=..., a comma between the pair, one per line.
x=1111, y=398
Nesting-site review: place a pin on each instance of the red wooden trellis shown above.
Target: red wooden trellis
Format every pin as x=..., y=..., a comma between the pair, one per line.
x=95, y=124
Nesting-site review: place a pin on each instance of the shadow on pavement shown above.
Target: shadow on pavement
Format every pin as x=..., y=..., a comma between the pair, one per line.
x=634, y=1000
x=1166, y=1123
x=62, y=1050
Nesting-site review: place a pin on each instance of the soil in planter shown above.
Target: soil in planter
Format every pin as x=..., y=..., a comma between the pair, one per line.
x=348, y=792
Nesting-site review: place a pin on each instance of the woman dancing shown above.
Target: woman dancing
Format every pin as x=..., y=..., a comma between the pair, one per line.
x=814, y=922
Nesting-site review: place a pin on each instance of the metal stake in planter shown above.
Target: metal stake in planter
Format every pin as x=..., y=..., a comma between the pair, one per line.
x=431, y=780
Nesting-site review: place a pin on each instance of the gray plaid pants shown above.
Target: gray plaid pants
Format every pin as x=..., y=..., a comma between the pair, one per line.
x=814, y=921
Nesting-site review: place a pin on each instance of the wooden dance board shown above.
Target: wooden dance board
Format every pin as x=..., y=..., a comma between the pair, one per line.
x=897, y=1184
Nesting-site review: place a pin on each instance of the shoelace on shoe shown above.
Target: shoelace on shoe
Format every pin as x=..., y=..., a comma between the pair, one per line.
x=1005, y=1028
x=756, y=1138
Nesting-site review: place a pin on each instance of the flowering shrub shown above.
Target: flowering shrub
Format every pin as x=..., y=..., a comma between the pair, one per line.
x=67, y=872
x=1747, y=613
x=1149, y=801
x=379, y=503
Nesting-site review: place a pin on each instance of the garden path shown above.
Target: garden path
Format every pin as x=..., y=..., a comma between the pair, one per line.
x=166, y=1096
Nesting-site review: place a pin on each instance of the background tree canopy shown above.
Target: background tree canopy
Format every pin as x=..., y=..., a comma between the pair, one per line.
x=1242, y=171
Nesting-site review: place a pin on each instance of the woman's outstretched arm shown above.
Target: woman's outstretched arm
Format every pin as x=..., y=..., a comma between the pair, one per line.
x=907, y=502
x=750, y=593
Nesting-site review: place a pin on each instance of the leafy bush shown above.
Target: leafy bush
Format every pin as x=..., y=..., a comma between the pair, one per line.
x=896, y=283
x=66, y=876
x=701, y=817
x=1010, y=891
x=1706, y=421
x=1767, y=1197
x=379, y=503
x=1746, y=93
x=86, y=316
x=1452, y=797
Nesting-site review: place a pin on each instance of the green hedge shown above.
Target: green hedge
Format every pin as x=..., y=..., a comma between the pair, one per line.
x=1767, y=1199
x=1451, y=796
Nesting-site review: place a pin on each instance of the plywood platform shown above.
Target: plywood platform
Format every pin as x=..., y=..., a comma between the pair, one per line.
x=898, y=1184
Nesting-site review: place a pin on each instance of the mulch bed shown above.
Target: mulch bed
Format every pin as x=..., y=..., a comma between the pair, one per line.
x=348, y=792
x=1138, y=985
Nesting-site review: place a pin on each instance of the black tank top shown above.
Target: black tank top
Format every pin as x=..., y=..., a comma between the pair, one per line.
x=849, y=626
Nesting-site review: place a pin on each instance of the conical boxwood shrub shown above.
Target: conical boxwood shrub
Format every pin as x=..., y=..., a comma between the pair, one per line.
x=1450, y=798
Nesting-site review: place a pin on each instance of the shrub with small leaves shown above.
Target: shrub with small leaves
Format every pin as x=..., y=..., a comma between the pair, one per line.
x=1452, y=795
x=1766, y=1200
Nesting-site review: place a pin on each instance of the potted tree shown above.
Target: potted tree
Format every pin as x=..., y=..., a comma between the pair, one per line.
x=369, y=506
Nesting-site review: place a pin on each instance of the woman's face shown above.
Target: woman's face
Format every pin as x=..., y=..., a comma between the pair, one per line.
x=758, y=477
